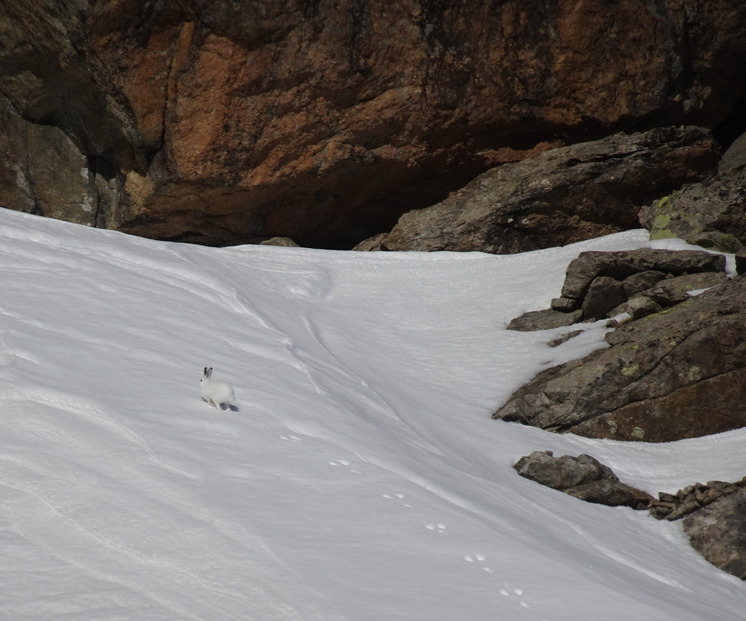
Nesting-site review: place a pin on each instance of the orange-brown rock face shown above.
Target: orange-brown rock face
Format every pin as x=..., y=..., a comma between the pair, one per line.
x=220, y=122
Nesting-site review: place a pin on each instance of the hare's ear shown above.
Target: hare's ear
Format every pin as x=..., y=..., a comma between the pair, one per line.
x=205, y=372
x=209, y=372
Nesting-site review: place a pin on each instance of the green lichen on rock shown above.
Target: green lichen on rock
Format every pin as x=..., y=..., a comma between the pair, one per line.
x=662, y=202
x=659, y=228
x=707, y=214
x=630, y=369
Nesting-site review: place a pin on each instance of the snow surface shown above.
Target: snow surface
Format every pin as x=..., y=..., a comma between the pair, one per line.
x=359, y=477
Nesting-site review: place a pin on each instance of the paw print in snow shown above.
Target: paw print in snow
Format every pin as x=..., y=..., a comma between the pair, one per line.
x=345, y=464
x=478, y=559
x=508, y=591
x=397, y=496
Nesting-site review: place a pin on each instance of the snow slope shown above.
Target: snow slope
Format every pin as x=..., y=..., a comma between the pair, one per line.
x=360, y=476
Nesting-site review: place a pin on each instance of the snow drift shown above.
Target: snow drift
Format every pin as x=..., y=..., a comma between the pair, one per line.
x=359, y=475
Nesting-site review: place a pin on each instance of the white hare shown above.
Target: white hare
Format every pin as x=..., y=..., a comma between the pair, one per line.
x=216, y=393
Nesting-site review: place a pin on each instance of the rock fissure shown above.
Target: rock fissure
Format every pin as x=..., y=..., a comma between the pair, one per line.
x=27, y=182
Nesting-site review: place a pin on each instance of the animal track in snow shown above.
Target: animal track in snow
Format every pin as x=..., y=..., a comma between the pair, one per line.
x=345, y=463
x=397, y=496
x=441, y=528
x=478, y=559
x=508, y=591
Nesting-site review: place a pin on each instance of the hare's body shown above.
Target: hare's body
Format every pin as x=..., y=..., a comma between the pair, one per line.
x=216, y=393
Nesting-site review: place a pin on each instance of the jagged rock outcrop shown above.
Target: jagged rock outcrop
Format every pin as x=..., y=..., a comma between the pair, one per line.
x=692, y=498
x=582, y=271
x=583, y=477
x=545, y=319
x=560, y=196
x=676, y=374
x=718, y=532
x=709, y=214
x=637, y=282
x=52, y=179
x=714, y=514
x=217, y=122
x=280, y=241
x=734, y=159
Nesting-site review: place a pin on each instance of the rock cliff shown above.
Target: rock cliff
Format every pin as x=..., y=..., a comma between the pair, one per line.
x=223, y=122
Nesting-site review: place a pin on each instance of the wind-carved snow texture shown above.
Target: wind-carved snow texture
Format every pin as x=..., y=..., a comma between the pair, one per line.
x=360, y=476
